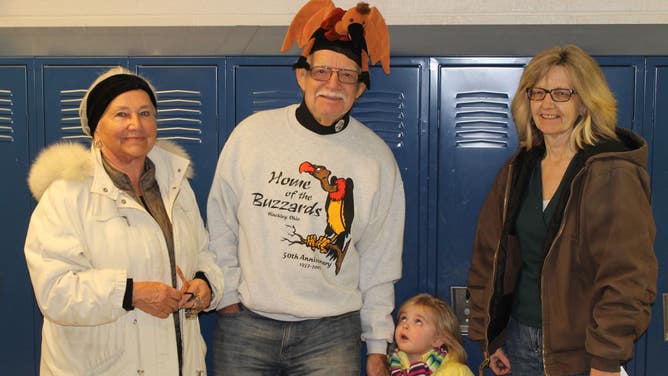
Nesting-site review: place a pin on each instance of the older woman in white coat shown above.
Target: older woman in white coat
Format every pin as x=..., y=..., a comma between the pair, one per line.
x=116, y=248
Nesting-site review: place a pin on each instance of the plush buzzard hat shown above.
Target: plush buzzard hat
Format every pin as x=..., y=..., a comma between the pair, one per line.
x=360, y=33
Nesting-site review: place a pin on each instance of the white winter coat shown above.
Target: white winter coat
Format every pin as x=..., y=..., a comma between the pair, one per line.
x=85, y=238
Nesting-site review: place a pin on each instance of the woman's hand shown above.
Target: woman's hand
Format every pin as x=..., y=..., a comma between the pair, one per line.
x=196, y=295
x=499, y=363
x=596, y=372
x=156, y=298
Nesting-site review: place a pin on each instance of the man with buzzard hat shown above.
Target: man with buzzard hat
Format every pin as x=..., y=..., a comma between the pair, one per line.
x=306, y=215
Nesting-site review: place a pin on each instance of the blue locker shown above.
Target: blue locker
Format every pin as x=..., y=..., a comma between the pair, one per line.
x=626, y=78
x=474, y=135
x=17, y=353
x=657, y=119
x=188, y=110
x=257, y=84
x=63, y=83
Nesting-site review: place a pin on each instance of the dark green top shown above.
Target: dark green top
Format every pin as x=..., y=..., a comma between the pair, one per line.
x=531, y=226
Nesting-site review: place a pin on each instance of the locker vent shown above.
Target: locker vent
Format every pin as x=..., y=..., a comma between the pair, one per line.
x=6, y=116
x=70, y=126
x=270, y=99
x=179, y=115
x=482, y=119
x=385, y=113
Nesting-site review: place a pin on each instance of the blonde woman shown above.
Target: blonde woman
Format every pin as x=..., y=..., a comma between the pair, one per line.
x=563, y=271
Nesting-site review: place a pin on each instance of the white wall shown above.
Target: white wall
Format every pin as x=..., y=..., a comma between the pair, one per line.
x=50, y=13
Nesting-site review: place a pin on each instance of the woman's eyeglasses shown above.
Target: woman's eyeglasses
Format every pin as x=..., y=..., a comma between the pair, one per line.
x=557, y=94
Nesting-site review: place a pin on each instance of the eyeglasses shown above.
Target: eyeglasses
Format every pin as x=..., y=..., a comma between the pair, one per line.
x=557, y=94
x=324, y=73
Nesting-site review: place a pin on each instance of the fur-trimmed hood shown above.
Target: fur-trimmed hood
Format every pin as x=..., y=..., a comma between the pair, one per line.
x=73, y=161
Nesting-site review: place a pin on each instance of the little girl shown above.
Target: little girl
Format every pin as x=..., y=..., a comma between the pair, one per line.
x=427, y=340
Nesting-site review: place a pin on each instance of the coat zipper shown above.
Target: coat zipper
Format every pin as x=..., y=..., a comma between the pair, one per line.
x=506, y=195
x=549, y=251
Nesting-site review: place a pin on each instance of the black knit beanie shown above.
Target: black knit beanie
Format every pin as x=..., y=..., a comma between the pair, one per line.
x=107, y=90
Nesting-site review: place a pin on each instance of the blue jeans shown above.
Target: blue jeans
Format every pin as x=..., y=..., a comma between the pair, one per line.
x=246, y=343
x=525, y=349
x=524, y=346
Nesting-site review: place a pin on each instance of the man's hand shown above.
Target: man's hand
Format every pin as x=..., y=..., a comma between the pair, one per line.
x=155, y=298
x=376, y=365
x=499, y=363
x=232, y=308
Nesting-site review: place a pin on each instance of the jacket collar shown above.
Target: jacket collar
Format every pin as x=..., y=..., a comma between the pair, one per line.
x=630, y=147
x=171, y=169
x=71, y=161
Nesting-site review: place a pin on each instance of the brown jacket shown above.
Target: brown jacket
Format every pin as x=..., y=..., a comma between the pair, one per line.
x=599, y=273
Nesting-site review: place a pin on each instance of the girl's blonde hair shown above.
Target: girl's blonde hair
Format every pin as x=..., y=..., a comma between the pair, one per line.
x=447, y=324
x=600, y=118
